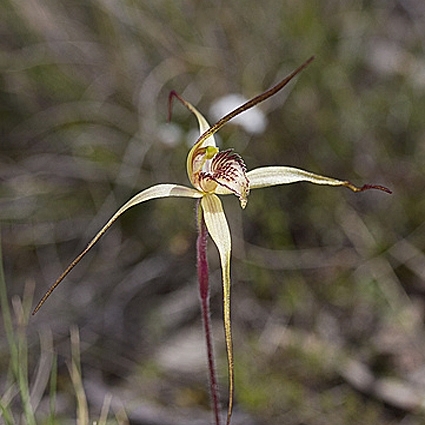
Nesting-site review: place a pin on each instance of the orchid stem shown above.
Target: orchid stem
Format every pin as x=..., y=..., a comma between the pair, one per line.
x=204, y=292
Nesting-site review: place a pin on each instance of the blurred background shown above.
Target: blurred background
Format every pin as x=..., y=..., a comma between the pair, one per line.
x=328, y=286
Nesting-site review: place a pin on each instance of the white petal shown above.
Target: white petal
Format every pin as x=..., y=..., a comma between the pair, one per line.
x=272, y=176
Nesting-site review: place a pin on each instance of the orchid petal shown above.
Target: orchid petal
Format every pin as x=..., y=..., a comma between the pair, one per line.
x=273, y=176
x=203, y=123
x=154, y=192
x=198, y=148
x=223, y=190
x=217, y=226
x=229, y=170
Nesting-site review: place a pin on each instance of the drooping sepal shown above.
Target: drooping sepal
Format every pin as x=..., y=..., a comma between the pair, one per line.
x=218, y=229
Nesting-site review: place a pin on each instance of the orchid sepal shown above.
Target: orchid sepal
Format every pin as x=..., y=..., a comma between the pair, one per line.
x=218, y=229
x=154, y=192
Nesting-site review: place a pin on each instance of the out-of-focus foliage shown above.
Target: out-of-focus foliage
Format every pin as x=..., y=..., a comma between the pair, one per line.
x=328, y=296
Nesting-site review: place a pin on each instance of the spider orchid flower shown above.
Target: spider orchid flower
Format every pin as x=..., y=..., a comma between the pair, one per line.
x=213, y=172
